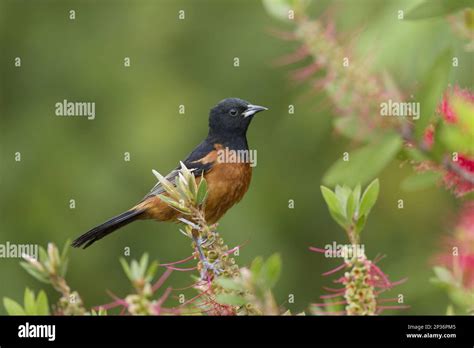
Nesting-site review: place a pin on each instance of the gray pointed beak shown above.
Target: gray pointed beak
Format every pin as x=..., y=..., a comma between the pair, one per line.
x=253, y=109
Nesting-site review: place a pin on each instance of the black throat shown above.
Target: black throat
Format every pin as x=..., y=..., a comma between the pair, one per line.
x=232, y=140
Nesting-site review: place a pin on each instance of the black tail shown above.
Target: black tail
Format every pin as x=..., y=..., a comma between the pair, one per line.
x=106, y=228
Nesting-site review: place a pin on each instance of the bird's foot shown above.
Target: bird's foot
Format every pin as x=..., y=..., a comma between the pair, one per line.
x=212, y=268
x=207, y=266
x=190, y=223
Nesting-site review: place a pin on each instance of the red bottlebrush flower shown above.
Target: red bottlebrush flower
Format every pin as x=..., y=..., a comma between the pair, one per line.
x=456, y=180
x=466, y=163
x=446, y=111
x=459, y=257
x=457, y=184
x=445, y=108
x=363, y=281
x=329, y=67
x=458, y=175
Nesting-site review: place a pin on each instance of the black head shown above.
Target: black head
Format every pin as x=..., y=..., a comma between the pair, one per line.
x=232, y=116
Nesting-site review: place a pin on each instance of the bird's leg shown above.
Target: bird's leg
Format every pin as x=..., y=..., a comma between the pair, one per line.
x=206, y=264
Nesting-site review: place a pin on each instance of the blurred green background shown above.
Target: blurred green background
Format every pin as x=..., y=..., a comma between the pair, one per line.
x=190, y=62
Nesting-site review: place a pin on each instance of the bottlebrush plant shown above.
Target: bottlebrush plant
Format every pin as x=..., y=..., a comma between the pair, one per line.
x=449, y=138
x=51, y=269
x=454, y=270
x=356, y=92
x=438, y=144
x=222, y=287
x=362, y=281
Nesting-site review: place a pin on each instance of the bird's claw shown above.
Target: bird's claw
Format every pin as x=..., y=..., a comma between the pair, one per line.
x=207, y=266
x=208, y=242
x=210, y=267
x=190, y=223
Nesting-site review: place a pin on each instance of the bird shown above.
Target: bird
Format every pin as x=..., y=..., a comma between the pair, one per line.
x=227, y=181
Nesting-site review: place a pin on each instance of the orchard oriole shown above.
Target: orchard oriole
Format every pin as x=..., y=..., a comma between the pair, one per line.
x=227, y=182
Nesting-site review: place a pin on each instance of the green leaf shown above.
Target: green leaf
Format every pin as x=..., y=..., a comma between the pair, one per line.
x=100, y=312
x=167, y=185
x=65, y=250
x=420, y=181
x=229, y=284
x=356, y=192
x=342, y=194
x=232, y=300
x=369, y=198
x=331, y=198
x=450, y=310
x=436, y=8
x=42, y=307
x=256, y=267
x=34, y=272
x=182, y=185
x=351, y=206
x=173, y=204
x=43, y=255
x=432, y=87
x=152, y=271
x=192, y=185
x=334, y=206
x=135, y=268
x=202, y=191
x=143, y=263
x=64, y=258
x=126, y=268
x=443, y=275
x=29, y=302
x=271, y=271
x=63, y=268
x=360, y=224
x=364, y=163
x=279, y=8
x=12, y=307
x=168, y=200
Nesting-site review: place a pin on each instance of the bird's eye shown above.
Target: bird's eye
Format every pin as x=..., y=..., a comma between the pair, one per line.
x=233, y=112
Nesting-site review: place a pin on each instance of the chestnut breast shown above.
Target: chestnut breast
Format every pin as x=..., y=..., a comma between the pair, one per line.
x=227, y=184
